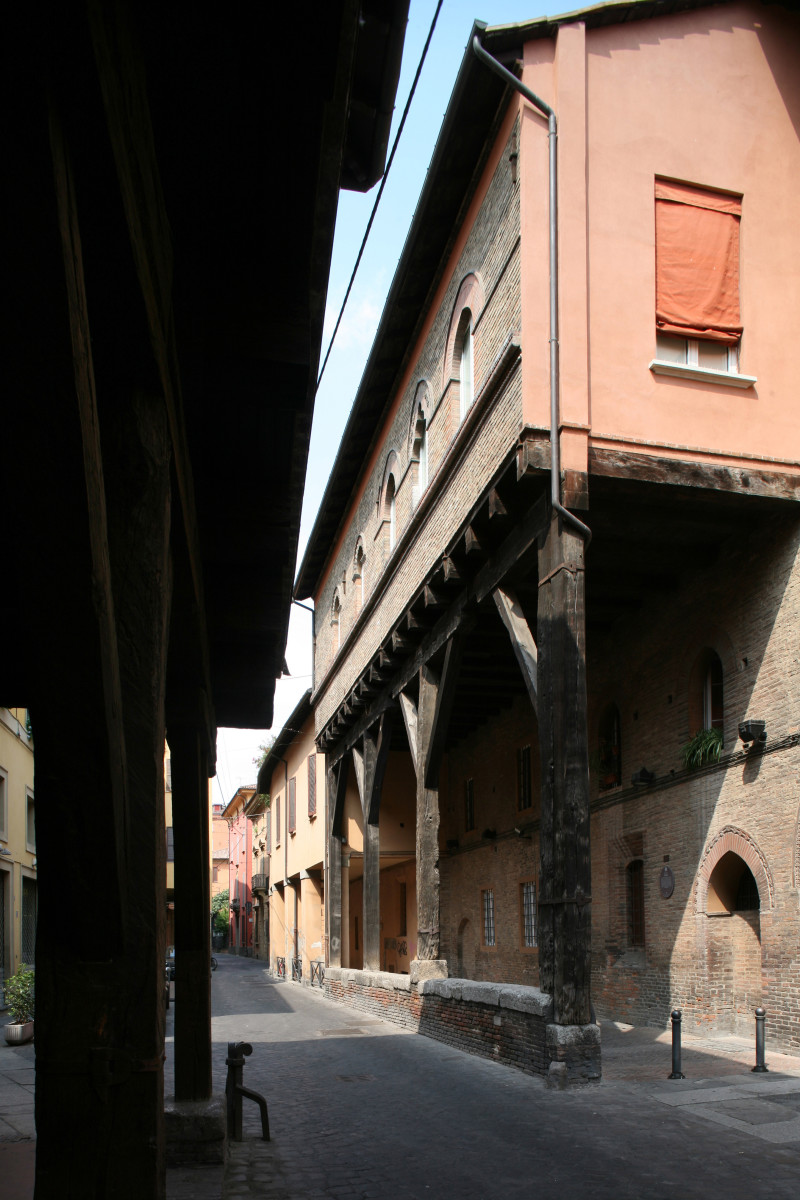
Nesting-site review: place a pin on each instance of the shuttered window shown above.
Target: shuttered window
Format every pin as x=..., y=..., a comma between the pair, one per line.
x=312, y=785
x=293, y=805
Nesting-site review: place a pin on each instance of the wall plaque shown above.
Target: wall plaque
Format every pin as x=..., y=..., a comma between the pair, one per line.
x=667, y=882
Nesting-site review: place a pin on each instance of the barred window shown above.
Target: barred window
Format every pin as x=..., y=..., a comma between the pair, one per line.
x=170, y=845
x=469, y=805
x=312, y=785
x=293, y=805
x=528, y=902
x=524, y=777
x=488, y=917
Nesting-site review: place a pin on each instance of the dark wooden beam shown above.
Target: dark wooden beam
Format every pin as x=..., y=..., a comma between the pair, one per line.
x=522, y=643
x=747, y=481
x=436, y=733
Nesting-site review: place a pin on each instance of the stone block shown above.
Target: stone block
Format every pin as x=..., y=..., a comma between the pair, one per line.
x=427, y=969
x=195, y=1131
x=527, y=1000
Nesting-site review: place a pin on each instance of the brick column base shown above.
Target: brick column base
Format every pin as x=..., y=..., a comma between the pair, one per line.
x=574, y=1053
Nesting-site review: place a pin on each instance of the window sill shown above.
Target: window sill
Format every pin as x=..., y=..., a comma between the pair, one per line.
x=660, y=366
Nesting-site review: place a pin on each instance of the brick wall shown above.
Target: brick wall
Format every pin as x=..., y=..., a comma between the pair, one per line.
x=506, y=1024
x=491, y=253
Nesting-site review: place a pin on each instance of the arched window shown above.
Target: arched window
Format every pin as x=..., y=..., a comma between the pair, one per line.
x=609, y=749
x=713, y=710
x=391, y=505
x=359, y=566
x=465, y=376
x=336, y=621
x=732, y=886
x=419, y=452
x=634, y=880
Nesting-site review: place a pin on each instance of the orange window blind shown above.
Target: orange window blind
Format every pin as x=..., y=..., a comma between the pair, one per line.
x=697, y=262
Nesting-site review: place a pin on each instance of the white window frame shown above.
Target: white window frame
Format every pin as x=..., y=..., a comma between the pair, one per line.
x=689, y=367
x=466, y=379
x=3, y=804
x=30, y=806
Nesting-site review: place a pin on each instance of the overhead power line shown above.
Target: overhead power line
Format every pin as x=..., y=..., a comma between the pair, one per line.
x=380, y=191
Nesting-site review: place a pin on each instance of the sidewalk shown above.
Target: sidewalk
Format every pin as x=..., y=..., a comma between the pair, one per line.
x=362, y=1110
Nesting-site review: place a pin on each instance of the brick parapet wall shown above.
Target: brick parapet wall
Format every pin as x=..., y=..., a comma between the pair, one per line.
x=508, y=1024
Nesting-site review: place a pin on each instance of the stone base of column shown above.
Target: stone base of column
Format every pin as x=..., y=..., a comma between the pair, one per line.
x=195, y=1131
x=427, y=968
x=574, y=1053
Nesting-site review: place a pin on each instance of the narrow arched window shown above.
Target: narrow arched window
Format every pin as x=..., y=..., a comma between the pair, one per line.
x=465, y=377
x=336, y=622
x=634, y=879
x=713, y=706
x=359, y=564
x=391, y=501
x=609, y=749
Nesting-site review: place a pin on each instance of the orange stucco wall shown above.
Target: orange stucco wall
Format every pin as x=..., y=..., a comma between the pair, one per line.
x=711, y=98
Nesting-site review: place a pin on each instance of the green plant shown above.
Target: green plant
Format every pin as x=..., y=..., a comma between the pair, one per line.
x=19, y=991
x=705, y=747
x=219, y=908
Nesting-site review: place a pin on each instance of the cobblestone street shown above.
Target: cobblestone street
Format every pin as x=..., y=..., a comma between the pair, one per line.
x=359, y=1109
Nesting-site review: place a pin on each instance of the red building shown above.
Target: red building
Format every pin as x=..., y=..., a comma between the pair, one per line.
x=240, y=837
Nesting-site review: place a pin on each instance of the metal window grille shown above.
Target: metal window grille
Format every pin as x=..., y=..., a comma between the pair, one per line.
x=488, y=917
x=524, y=777
x=29, y=909
x=293, y=805
x=312, y=785
x=635, y=880
x=529, y=913
x=469, y=805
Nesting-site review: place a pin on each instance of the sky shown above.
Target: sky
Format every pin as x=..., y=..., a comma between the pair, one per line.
x=237, y=748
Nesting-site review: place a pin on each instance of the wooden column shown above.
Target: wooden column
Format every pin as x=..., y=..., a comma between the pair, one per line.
x=427, y=825
x=565, y=879
x=190, y=818
x=377, y=742
x=335, y=780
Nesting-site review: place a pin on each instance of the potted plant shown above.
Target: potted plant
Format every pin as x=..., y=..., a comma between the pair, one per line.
x=19, y=993
x=705, y=747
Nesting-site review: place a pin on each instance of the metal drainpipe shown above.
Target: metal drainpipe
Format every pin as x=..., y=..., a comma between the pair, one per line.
x=552, y=138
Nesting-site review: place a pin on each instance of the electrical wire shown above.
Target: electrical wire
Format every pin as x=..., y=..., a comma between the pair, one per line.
x=380, y=191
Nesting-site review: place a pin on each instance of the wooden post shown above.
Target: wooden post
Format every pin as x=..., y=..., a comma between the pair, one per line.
x=565, y=880
x=375, y=758
x=335, y=779
x=190, y=818
x=427, y=824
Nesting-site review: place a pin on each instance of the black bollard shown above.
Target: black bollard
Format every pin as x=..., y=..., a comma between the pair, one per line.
x=677, y=1073
x=235, y=1091
x=761, y=1017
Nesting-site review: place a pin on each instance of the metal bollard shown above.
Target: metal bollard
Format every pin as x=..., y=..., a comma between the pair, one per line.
x=235, y=1091
x=677, y=1073
x=761, y=1017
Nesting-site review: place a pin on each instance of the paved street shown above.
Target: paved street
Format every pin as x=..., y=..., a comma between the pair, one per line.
x=360, y=1109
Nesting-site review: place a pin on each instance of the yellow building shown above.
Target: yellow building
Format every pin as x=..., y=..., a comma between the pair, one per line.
x=289, y=878
x=18, y=899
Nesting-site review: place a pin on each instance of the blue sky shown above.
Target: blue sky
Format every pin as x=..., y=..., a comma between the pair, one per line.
x=236, y=748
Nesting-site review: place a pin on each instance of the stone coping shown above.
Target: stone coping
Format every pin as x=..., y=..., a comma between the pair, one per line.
x=513, y=996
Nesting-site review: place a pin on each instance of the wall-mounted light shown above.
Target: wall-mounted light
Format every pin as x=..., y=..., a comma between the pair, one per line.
x=753, y=733
x=642, y=777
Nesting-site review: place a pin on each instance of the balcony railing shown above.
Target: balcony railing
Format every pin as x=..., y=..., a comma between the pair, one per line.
x=260, y=883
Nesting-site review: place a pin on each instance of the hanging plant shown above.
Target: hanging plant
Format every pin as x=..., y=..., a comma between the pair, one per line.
x=705, y=747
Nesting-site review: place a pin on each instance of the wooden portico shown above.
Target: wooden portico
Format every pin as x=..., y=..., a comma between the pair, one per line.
x=169, y=247
x=505, y=614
